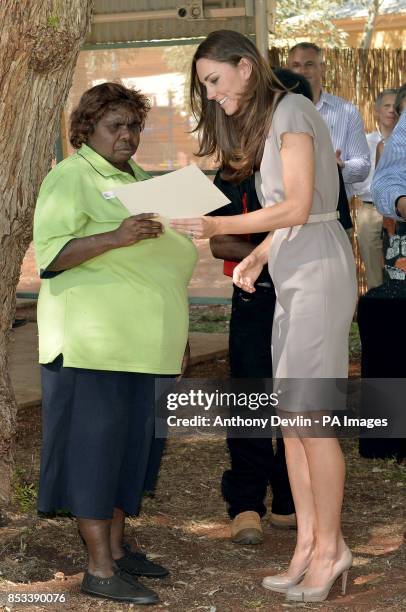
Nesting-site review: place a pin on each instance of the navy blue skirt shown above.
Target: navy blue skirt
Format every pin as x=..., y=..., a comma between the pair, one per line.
x=99, y=450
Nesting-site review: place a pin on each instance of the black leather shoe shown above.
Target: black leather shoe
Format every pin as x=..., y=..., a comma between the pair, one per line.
x=18, y=323
x=137, y=564
x=121, y=587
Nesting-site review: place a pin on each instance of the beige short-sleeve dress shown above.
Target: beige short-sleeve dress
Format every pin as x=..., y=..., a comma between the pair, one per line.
x=312, y=266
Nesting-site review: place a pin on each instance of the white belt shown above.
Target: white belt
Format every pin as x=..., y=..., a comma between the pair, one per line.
x=318, y=218
x=323, y=217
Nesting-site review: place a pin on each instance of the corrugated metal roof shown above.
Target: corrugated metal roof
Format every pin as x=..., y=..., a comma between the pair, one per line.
x=120, y=21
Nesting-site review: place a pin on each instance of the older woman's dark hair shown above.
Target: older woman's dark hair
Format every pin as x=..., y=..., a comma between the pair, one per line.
x=95, y=102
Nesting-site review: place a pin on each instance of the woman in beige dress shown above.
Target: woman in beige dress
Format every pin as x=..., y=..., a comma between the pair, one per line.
x=250, y=122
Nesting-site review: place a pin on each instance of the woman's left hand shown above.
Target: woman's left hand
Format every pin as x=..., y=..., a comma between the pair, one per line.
x=198, y=227
x=247, y=272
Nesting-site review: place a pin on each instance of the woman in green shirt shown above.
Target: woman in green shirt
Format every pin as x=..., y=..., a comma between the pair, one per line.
x=112, y=316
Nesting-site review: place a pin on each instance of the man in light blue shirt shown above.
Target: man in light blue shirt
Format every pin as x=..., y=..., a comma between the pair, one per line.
x=342, y=117
x=389, y=183
x=369, y=220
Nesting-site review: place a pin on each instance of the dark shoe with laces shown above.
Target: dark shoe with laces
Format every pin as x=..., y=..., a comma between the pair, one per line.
x=137, y=564
x=120, y=587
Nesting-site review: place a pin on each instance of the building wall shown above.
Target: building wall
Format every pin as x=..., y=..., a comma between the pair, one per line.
x=389, y=31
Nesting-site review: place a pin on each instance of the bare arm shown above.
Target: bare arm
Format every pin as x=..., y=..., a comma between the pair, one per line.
x=132, y=230
x=247, y=272
x=297, y=155
x=401, y=207
x=379, y=151
x=230, y=248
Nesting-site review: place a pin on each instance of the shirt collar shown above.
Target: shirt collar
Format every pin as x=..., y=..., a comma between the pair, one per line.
x=325, y=98
x=104, y=167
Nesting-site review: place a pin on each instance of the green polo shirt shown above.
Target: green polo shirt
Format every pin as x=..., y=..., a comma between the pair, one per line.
x=125, y=310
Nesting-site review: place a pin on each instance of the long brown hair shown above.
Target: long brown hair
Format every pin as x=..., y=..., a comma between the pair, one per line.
x=238, y=140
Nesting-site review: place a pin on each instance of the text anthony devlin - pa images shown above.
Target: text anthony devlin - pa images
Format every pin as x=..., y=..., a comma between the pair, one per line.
x=273, y=421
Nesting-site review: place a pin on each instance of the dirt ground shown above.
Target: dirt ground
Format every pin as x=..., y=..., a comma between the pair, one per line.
x=185, y=527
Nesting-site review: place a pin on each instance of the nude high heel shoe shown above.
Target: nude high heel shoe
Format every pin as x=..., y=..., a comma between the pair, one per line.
x=314, y=594
x=281, y=584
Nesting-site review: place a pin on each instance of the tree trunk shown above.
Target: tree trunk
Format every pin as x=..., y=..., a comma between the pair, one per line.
x=373, y=12
x=39, y=45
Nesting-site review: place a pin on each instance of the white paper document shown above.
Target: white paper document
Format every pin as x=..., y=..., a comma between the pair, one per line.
x=180, y=194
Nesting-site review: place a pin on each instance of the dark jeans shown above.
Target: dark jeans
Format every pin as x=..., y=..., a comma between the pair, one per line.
x=254, y=462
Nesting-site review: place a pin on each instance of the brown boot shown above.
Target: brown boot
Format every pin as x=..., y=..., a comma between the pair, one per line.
x=283, y=521
x=246, y=528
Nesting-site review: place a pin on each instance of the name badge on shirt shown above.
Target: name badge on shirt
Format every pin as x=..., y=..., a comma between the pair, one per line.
x=108, y=195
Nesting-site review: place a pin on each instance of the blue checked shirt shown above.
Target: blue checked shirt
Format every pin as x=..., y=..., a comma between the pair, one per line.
x=389, y=181
x=348, y=135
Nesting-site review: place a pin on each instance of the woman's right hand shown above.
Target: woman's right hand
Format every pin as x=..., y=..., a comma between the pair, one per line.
x=247, y=272
x=196, y=227
x=138, y=227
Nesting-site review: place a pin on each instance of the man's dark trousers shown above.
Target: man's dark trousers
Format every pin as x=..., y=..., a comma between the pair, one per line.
x=254, y=462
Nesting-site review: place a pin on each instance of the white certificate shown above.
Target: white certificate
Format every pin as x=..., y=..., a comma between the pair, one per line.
x=184, y=193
